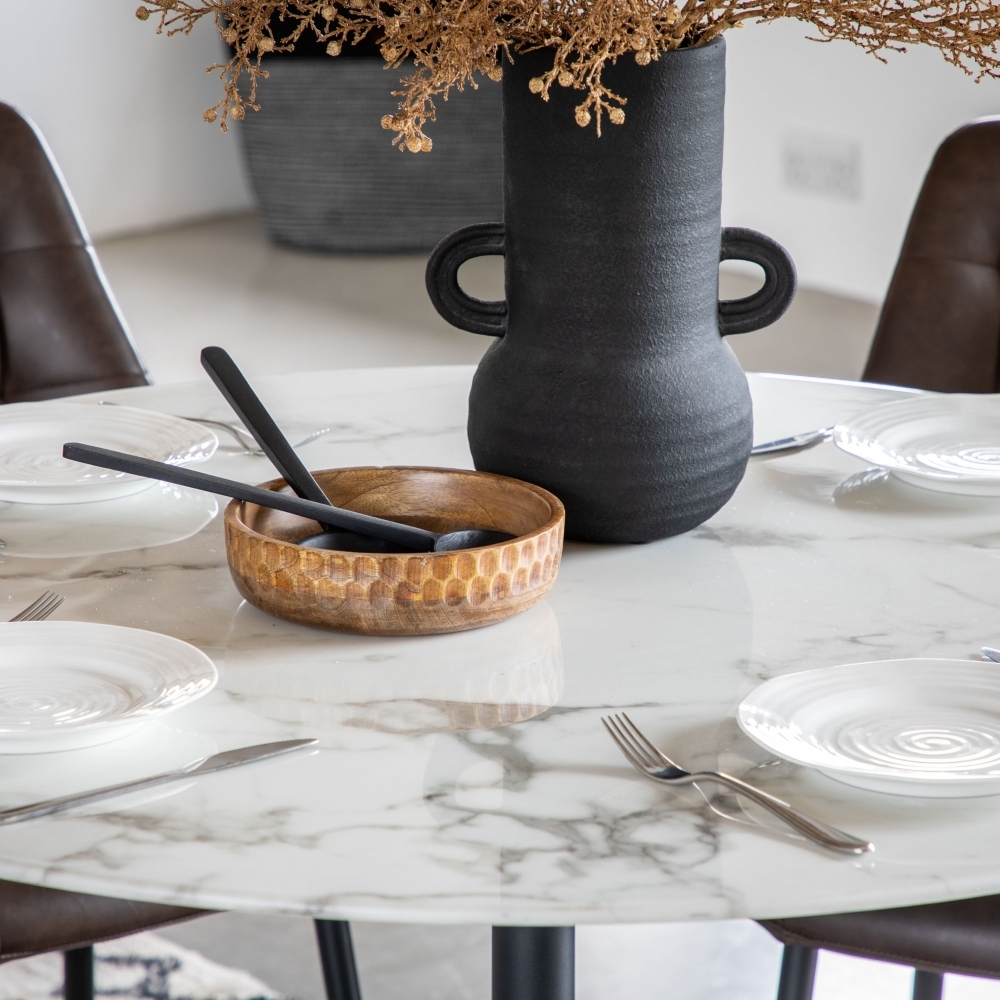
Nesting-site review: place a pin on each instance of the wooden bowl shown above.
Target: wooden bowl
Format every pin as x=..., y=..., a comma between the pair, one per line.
x=420, y=593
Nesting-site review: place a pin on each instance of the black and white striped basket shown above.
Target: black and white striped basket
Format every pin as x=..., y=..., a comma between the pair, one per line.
x=327, y=177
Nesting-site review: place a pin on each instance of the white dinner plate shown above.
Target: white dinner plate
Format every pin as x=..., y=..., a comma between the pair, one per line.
x=949, y=443
x=67, y=685
x=909, y=727
x=32, y=435
x=161, y=515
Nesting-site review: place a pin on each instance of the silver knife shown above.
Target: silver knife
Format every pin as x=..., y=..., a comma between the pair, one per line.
x=793, y=442
x=218, y=762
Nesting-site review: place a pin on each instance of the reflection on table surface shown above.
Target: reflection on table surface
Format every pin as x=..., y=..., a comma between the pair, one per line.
x=421, y=684
x=160, y=515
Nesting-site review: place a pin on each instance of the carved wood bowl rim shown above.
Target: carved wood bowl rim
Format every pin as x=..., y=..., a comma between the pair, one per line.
x=301, y=568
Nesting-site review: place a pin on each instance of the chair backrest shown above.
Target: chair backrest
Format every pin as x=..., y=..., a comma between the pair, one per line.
x=940, y=325
x=60, y=329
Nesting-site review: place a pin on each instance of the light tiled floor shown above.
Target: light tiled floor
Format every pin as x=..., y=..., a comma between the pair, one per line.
x=726, y=960
x=733, y=960
x=277, y=310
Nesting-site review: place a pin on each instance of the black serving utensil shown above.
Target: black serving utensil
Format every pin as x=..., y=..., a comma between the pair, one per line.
x=407, y=537
x=233, y=385
x=230, y=381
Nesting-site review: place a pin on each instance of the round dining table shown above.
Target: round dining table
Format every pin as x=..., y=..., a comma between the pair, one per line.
x=467, y=778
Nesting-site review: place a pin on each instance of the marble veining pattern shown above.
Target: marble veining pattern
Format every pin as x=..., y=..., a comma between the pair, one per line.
x=466, y=778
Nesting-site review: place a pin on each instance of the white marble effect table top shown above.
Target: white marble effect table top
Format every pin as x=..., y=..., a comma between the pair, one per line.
x=422, y=804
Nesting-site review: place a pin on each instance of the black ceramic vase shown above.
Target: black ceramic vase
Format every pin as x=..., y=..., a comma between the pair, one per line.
x=609, y=382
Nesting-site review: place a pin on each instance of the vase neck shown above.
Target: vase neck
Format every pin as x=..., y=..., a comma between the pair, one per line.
x=628, y=221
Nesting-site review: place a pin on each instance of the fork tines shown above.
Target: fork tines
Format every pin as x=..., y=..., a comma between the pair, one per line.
x=40, y=608
x=638, y=751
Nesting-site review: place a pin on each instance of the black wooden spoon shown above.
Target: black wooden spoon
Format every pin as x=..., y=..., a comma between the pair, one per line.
x=231, y=383
x=407, y=537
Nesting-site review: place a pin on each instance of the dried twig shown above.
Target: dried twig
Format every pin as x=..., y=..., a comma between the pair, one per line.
x=451, y=41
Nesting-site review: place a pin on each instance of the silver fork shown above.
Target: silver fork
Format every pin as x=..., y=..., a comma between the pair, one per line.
x=40, y=608
x=239, y=434
x=246, y=441
x=315, y=436
x=649, y=761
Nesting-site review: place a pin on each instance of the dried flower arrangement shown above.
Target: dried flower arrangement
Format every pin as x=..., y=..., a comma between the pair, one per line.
x=450, y=41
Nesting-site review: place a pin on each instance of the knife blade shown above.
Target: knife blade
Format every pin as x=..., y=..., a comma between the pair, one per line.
x=217, y=762
x=792, y=443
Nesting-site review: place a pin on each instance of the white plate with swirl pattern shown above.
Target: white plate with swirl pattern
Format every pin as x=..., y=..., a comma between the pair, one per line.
x=908, y=727
x=32, y=435
x=68, y=685
x=949, y=443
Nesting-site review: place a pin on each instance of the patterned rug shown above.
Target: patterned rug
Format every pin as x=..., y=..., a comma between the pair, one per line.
x=140, y=966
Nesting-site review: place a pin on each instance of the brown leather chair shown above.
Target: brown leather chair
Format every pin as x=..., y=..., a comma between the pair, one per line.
x=940, y=330
x=961, y=936
x=60, y=330
x=34, y=920
x=940, y=325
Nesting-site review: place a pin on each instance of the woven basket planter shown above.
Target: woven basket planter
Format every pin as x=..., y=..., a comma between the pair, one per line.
x=327, y=177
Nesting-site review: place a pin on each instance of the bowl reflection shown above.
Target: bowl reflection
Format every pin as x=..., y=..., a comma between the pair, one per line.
x=453, y=682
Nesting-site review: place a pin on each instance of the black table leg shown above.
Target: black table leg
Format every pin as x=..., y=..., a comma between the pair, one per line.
x=336, y=955
x=534, y=963
x=927, y=985
x=78, y=973
x=798, y=973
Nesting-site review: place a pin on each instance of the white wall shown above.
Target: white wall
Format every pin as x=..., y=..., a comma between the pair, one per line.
x=783, y=90
x=121, y=108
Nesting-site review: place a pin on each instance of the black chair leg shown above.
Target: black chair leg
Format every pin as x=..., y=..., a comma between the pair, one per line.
x=336, y=955
x=927, y=985
x=798, y=973
x=534, y=963
x=78, y=973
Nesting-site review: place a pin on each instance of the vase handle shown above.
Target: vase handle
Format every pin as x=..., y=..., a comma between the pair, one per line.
x=490, y=318
x=485, y=239
x=768, y=303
